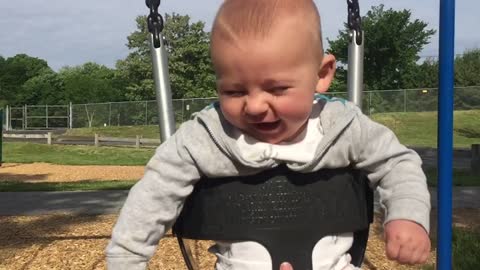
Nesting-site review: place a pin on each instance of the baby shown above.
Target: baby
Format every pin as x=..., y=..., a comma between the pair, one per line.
x=269, y=63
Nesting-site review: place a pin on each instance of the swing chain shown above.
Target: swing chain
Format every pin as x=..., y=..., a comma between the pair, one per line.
x=154, y=21
x=354, y=19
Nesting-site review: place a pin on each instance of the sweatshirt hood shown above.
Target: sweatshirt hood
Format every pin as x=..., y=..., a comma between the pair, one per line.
x=335, y=115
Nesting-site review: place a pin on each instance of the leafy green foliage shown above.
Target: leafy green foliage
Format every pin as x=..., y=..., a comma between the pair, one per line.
x=190, y=68
x=89, y=83
x=14, y=72
x=393, y=40
x=29, y=80
x=426, y=74
x=45, y=88
x=467, y=68
x=392, y=43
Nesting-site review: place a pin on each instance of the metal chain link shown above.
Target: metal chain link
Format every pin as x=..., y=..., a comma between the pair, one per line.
x=354, y=19
x=154, y=21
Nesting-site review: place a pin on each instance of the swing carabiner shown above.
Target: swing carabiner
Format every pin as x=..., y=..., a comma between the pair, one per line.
x=354, y=20
x=154, y=21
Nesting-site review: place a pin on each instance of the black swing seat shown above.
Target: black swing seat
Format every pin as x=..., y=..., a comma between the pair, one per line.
x=287, y=212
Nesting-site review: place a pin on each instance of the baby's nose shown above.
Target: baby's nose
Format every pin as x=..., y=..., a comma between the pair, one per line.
x=255, y=106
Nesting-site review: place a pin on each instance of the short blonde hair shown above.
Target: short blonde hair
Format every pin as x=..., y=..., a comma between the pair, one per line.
x=237, y=19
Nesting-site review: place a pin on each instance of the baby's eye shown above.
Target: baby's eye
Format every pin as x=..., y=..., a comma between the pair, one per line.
x=277, y=90
x=233, y=93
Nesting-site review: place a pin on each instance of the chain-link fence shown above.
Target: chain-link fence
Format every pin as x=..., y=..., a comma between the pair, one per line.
x=37, y=117
x=132, y=113
x=145, y=112
x=418, y=100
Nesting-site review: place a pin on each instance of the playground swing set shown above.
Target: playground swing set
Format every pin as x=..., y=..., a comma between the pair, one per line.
x=289, y=227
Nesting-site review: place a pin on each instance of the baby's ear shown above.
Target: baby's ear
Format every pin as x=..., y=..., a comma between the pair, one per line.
x=326, y=73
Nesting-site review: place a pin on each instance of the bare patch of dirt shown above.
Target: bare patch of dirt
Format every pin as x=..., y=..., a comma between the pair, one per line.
x=45, y=172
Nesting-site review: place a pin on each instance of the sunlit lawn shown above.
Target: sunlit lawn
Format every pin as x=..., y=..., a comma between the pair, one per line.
x=74, y=155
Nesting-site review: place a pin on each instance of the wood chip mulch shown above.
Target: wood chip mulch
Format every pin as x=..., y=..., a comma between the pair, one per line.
x=78, y=242
x=45, y=172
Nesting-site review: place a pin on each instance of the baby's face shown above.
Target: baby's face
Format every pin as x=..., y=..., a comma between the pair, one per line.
x=266, y=86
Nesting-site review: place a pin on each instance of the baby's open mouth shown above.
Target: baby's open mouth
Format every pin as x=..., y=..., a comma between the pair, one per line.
x=267, y=126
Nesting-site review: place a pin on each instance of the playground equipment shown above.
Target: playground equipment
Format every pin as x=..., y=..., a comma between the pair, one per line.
x=223, y=226
x=445, y=133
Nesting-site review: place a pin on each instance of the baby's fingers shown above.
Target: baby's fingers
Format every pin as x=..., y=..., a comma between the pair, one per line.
x=423, y=253
x=406, y=255
x=286, y=266
x=392, y=250
x=424, y=257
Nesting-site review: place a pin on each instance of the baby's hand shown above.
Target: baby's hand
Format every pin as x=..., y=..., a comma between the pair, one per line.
x=406, y=242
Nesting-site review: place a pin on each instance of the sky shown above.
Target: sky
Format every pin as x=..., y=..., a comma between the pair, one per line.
x=70, y=33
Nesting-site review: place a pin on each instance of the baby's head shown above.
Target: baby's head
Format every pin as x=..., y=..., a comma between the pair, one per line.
x=269, y=61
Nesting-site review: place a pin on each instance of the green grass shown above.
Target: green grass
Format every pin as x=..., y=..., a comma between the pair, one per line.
x=420, y=129
x=74, y=155
x=465, y=247
x=15, y=186
x=412, y=128
x=150, y=132
x=461, y=178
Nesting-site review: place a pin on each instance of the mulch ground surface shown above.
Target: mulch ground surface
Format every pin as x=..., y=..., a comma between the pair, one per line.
x=78, y=241
x=45, y=172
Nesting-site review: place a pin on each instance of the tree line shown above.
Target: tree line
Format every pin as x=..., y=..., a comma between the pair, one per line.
x=393, y=41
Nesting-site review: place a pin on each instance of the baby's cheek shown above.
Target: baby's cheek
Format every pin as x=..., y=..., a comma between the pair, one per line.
x=294, y=110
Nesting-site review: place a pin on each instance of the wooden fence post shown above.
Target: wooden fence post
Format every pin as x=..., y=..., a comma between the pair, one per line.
x=137, y=142
x=49, y=138
x=97, y=143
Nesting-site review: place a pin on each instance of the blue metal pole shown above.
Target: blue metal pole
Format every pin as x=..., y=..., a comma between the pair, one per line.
x=445, y=133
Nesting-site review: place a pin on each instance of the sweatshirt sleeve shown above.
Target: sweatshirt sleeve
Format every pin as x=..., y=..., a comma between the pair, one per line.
x=152, y=205
x=394, y=169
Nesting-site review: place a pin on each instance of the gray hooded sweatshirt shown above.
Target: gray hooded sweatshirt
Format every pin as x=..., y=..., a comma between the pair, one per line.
x=206, y=146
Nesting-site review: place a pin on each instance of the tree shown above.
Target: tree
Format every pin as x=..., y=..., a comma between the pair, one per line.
x=427, y=74
x=467, y=68
x=3, y=97
x=89, y=83
x=393, y=41
x=15, y=71
x=190, y=68
x=45, y=88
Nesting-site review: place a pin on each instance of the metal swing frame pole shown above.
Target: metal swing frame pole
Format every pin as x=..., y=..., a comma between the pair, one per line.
x=158, y=51
x=445, y=133
x=166, y=119
x=355, y=54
